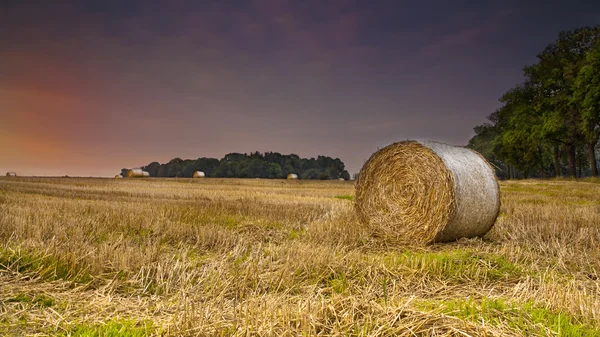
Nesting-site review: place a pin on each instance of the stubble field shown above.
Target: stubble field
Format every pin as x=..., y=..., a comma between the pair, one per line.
x=104, y=257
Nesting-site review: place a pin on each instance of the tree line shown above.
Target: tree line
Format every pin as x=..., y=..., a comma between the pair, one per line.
x=549, y=125
x=253, y=165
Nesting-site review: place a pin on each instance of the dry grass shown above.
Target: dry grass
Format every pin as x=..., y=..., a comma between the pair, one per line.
x=89, y=257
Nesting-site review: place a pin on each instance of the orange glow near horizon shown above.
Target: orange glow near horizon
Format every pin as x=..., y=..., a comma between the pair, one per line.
x=41, y=131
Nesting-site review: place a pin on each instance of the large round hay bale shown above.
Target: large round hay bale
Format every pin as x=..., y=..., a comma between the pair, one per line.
x=135, y=173
x=424, y=192
x=292, y=176
x=199, y=174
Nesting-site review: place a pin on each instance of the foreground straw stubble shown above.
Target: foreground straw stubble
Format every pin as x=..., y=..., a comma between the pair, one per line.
x=90, y=257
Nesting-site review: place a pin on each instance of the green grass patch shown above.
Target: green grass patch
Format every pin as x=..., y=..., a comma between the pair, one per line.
x=40, y=300
x=48, y=267
x=43, y=301
x=455, y=265
x=338, y=283
x=113, y=328
x=296, y=234
x=197, y=257
x=344, y=197
x=20, y=298
x=526, y=317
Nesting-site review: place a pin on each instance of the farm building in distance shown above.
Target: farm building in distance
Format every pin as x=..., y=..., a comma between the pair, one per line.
x=11, y=174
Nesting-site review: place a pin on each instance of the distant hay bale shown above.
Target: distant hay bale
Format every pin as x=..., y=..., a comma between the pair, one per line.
x=341, y=179
x=135, y=173
x=145, y=174
x=11, y=174
x=424, y=192
x=118, y=176
x=199, y=174
x=292, y=176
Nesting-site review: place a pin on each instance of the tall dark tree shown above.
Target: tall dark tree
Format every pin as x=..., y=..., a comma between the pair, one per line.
x=522, y=141
x=554, y=116
x=554, y=78
x=152, y=169
x=345, y=175
x=587, y=98
x=175, y=168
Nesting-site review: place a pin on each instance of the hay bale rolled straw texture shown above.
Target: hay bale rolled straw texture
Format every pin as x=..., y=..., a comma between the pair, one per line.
x=292, y=176
x=199, y=174
x=135, y=173
x=424, y=192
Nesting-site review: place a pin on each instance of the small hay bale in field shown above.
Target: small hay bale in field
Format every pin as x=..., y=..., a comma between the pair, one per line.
x=341, y=179
x=199, y=174
x=145, y=174
x=292, y=176
x=118, y=176
x=424, y=192
x=135, y=173
x=11, y=174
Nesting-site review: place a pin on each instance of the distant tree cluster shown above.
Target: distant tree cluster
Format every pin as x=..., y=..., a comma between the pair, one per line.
x=253, y=165
x=549, y=125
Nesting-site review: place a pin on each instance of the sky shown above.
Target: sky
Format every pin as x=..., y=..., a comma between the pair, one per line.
x=90, y=87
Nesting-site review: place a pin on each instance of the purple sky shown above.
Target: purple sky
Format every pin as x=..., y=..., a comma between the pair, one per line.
x=89, y=87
